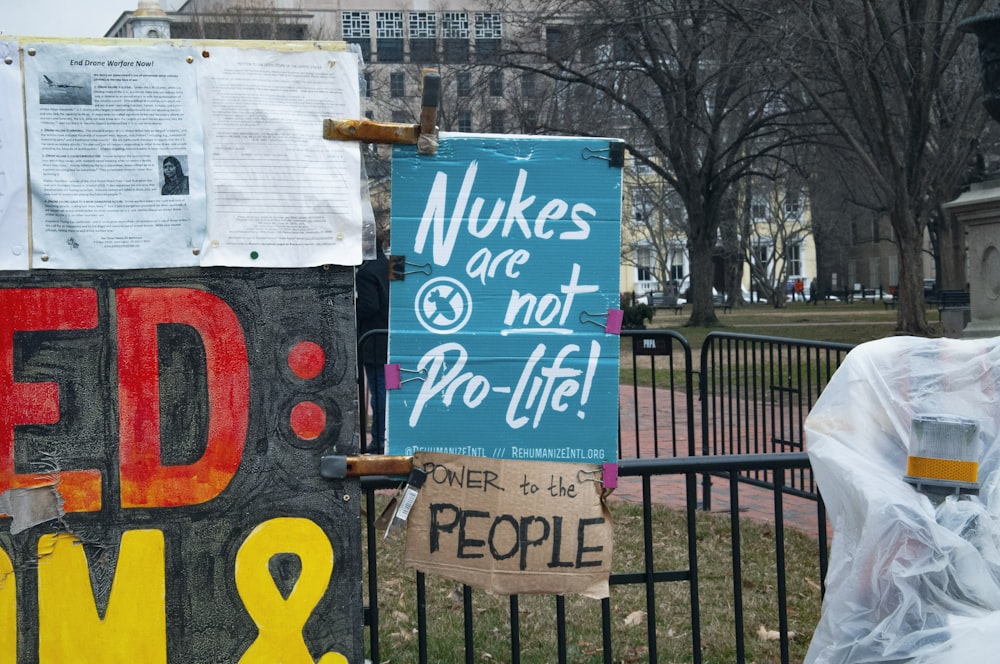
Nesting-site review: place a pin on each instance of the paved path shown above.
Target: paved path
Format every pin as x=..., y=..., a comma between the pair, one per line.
x=671, y=427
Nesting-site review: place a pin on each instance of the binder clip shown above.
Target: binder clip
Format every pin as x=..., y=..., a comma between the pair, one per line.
x=398, y=268
x=606, y=475
x=612, y=320
x=615, y=154
x=393, y=376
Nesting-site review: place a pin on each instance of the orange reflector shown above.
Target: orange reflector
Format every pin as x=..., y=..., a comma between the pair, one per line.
x=942, y=469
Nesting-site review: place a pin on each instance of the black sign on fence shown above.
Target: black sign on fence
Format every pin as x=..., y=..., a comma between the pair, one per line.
x=650, y=345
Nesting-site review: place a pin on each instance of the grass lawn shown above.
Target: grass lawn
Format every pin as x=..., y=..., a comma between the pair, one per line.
x=536, y=613
x=835, y=322
x=831, y=321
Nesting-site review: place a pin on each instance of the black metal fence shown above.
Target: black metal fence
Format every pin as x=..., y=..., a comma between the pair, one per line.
x=755, y=393
x=745, y=427
x=651, y=579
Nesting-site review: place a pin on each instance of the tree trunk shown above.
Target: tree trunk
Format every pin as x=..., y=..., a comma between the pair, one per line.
x=911, y=314
x=702, y=307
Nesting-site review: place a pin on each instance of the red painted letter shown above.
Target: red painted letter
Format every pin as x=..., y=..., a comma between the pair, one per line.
x=145, y=481
x=36, y=309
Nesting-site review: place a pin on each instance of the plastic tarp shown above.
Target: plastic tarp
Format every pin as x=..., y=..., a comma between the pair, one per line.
x=914, y=577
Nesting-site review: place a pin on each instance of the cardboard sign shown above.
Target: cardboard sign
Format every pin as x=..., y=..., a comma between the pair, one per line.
x=510, y=248
x=511, y=527
x=160, y=444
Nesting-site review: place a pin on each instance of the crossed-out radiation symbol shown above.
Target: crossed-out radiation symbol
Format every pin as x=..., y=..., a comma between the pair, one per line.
x=443, y=305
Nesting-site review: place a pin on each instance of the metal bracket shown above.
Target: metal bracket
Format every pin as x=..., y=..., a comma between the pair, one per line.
x=338, y=467
x=424, y=134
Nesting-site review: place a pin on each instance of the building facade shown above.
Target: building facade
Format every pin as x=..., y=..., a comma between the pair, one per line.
x=463, y=41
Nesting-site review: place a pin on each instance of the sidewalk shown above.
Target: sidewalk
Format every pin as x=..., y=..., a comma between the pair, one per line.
x=754, y=502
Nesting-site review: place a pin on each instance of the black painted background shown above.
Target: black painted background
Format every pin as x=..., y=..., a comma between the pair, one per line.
x=278, y=476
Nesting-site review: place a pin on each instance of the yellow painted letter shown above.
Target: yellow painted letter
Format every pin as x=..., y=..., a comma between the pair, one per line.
x=8, y=610
x=279, y=620
x=134, y=627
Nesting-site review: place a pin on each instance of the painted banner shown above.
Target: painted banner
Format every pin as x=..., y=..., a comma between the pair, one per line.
x=160, y=444
x=506, y=259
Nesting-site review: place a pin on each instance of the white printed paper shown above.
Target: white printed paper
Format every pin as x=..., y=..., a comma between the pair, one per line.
x=115, y=155
x=280, y=195
x=13, y=163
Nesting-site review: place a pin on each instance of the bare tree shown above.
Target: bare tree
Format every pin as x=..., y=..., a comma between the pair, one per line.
x=897, y=82
x=697, y=98
x=775, y=225
x=653, y=234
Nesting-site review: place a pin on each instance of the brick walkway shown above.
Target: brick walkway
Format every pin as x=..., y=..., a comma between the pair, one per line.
x=754, y=502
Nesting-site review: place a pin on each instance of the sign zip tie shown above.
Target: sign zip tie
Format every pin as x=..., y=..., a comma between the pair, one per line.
x=413, y=484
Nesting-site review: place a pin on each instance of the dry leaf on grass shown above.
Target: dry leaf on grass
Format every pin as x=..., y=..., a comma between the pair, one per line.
x=635, y=618
x=765, y=634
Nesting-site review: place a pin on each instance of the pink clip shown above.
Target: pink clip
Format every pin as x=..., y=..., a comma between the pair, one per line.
x=609, y=475
x=392, y=377
x=614, y=324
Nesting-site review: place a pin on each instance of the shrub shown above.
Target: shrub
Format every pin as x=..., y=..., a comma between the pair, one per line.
x=635, y=316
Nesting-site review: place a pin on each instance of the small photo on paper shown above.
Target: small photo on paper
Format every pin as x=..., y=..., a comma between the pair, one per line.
x=66, y=88
x=173, y=175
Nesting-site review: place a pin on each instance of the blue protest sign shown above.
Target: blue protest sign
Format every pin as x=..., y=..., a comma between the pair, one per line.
x=512, y=250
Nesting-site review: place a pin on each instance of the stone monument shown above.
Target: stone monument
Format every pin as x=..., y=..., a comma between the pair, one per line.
x=978, y=209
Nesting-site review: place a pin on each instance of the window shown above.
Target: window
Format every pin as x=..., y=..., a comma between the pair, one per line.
x=529, y=122
x=640, y=167
x=370, y=115
x=677, y=272
x=496, y=84
x=455, y=35
x=555, y=43
x=875, y=235
x=356, y=28
x=497, y=122
x=644, y=263
x=489, y=32
x=463, y=81
x=400, y=117
x=641, y=207
x=389, y=36
x=758, y=208
x=397, y=84
x=623, y=47
x=368, y=84
x=793, y=208
x=465, y=121
x=423, y=36
x=794, y=260
x=528, y=85
x=762, y=254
